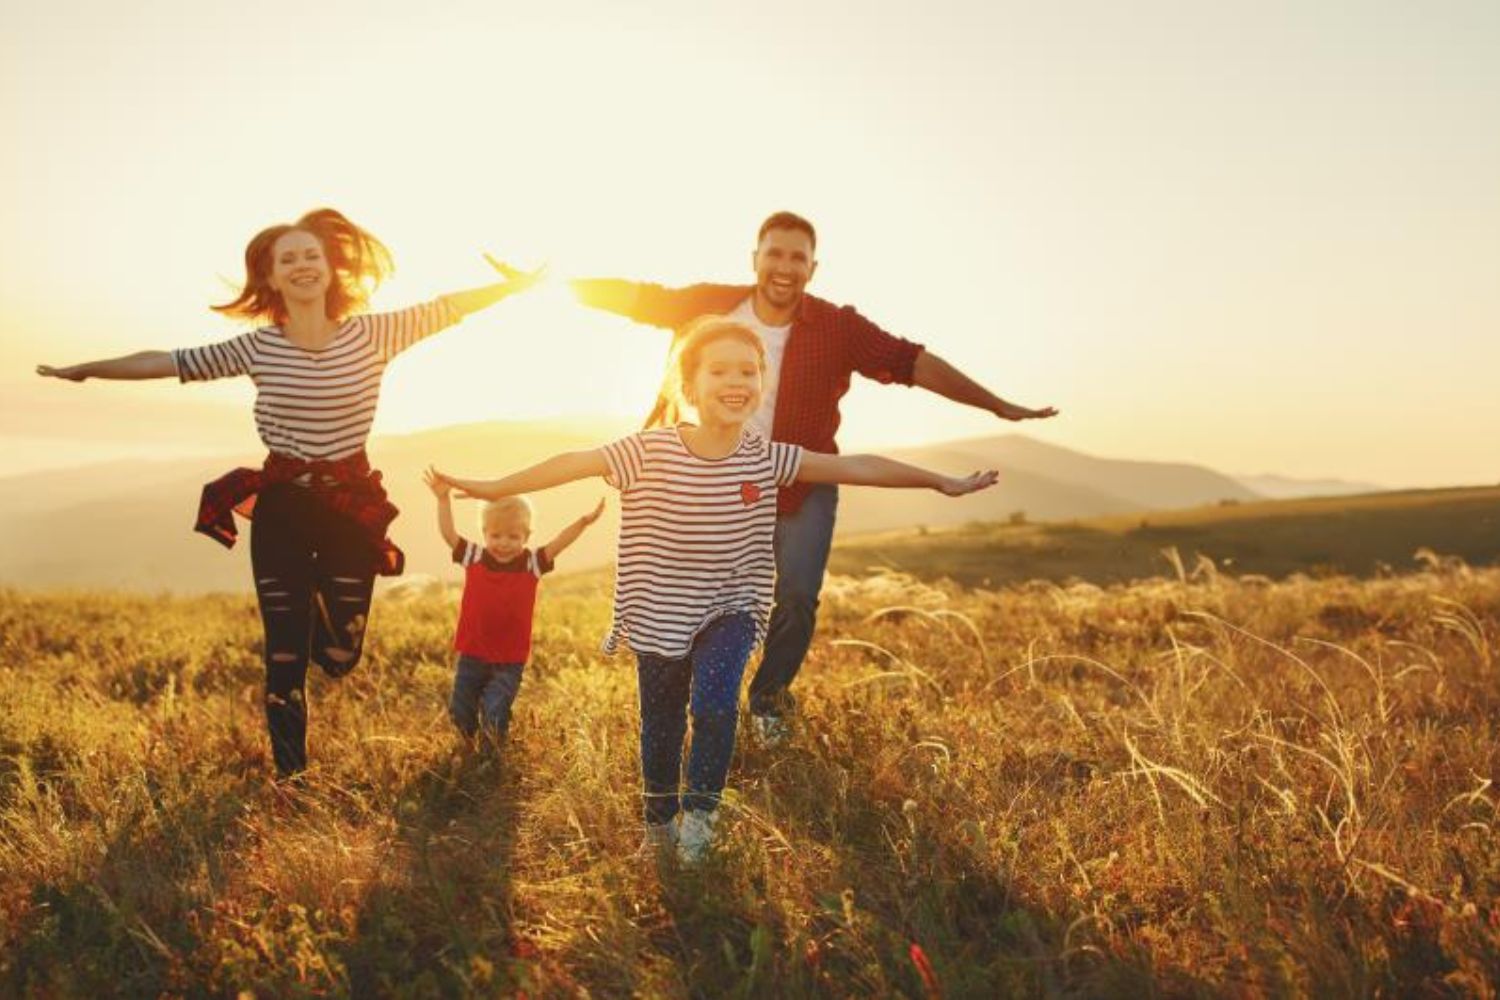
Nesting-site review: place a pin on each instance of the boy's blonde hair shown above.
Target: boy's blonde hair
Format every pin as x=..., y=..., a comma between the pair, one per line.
x=517, y=506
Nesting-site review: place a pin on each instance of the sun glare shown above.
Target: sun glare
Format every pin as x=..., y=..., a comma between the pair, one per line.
x=538, y=356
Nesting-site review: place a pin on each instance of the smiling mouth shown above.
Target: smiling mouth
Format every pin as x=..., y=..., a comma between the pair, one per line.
x=734, y=402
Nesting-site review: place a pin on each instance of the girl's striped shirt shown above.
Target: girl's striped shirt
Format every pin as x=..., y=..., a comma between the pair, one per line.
x=317, y=405
x=695, y=536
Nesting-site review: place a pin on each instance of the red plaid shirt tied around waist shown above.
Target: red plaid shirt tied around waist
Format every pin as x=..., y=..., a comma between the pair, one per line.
x=827, y=344
x=347, y=485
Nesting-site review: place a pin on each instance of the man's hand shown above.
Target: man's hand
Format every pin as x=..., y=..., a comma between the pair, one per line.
x=73, y=373
x=1010, y=411
x=437, y=483
x=956, y=487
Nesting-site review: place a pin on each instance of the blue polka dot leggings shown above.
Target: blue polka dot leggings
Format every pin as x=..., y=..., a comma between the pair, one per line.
x=708, y=680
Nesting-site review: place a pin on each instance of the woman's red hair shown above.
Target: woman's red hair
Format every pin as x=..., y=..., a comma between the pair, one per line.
x=357, y=259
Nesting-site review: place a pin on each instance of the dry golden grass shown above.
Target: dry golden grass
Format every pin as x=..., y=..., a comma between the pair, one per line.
x=1195, y=785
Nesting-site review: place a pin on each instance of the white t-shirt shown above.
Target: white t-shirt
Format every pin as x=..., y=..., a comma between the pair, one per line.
x=774, y=338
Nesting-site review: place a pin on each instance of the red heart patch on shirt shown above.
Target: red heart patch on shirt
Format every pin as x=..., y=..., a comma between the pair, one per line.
x=749, y=492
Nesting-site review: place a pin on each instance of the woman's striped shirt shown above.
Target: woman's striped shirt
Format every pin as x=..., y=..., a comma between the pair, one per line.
x=317, y=405
x=695, y=536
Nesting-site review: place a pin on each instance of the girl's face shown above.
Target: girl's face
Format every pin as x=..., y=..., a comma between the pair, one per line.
x=726, y=388
x=299, y=270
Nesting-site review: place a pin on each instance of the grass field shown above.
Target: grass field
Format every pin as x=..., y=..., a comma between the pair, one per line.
x=1196, y=785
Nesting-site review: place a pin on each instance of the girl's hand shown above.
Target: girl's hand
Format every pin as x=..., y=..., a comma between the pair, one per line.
x=73, y=373
x=437, y=483
x=972, y=483
x=593, y=515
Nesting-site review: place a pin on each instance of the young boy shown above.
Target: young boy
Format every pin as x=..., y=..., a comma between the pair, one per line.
x=494, y=621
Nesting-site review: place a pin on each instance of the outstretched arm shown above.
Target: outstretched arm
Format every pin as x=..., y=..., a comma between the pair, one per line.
x=874, y=470
x=143, y=364
x=570, y=534
x=443, y=491
x=475, y=299
x=544, y=475
x=936, y=375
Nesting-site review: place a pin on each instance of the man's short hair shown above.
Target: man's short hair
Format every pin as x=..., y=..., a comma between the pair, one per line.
x=787, y=220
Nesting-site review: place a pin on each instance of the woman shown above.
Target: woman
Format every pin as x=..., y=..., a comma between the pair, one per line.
x=319, y=513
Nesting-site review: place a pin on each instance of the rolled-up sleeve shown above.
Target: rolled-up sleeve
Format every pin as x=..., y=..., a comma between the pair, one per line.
x=876, y=354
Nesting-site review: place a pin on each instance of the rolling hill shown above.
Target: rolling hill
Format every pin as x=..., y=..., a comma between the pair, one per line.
x=126, y=525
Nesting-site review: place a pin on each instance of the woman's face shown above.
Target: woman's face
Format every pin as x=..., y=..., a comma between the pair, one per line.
x=726, y=388
x=299, y=269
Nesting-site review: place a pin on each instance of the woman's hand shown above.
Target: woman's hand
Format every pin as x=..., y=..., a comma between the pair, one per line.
x=73, y=373
x=519, y=280
x=973, y=483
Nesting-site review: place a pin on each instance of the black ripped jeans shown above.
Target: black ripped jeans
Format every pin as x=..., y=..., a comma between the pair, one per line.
x=314, y=573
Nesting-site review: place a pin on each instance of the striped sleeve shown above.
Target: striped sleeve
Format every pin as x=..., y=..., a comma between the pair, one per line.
x=625, y=458
x=786, y=461
x=222, y=360
x=394, y=332
x=466, y=553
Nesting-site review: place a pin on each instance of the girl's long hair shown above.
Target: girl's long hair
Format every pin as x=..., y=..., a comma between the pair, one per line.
x=358, y=262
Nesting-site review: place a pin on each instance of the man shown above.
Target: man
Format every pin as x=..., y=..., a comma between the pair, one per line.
x=812, y=348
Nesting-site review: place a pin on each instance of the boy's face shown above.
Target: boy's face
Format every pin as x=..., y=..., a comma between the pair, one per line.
x=505, y=535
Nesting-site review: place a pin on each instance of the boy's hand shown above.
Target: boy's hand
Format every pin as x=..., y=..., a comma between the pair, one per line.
x=437, y=483
x=592, y=515
x=972, y=483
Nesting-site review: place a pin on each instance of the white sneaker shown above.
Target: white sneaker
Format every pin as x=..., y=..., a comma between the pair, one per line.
x=695, y=835
x=660, y=839
x=771, y=730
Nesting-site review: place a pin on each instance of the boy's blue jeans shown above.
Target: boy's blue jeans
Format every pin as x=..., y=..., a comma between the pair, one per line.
x=483, y=693
x=802, y=541
x=708, y=681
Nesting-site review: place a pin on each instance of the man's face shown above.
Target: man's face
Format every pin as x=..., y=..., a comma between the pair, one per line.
x=784, y=265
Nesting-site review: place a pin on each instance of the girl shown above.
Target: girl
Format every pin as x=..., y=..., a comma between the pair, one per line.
x=695, y=569
x=318, y=536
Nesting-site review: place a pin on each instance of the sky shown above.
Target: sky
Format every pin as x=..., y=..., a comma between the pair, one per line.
x=1260, y=236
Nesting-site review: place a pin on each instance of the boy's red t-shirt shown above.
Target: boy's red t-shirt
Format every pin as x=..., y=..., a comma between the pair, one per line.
x=494, y=620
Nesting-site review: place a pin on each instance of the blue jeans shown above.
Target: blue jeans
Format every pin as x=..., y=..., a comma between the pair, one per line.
x=802, y=543
x=708, y=679
x=483, y=693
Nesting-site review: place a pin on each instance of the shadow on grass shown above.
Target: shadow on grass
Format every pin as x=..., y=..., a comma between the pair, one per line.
x=119, y=928
x=909, y=907
x=444, y=926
